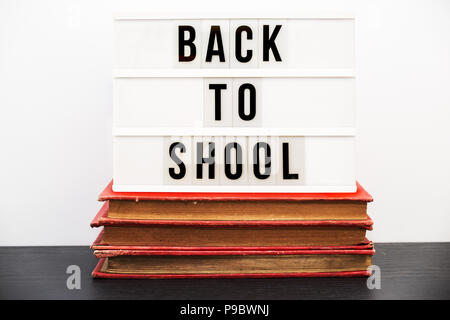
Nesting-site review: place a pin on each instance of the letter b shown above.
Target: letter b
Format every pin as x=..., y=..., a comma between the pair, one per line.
x=183, y=43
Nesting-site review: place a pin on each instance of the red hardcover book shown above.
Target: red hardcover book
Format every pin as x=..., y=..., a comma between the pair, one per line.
x=237, y=206
x=102, y=219
x=99, y=244
x=231, y=233
x=154, y=264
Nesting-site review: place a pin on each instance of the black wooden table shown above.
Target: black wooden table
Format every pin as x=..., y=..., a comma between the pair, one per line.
x=408, y=271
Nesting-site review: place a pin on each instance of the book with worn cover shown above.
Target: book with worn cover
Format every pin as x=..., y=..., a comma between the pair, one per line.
x=231, y=233
x=99, y=244
x=236, y=206
x=233, y=263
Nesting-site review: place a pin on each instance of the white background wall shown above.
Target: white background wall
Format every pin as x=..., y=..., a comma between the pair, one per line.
x=56, y=112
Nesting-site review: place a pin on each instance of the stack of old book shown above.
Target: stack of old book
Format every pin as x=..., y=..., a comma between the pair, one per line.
x=170, y=235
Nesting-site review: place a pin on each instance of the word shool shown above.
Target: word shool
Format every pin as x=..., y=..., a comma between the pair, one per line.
x=233, y=160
